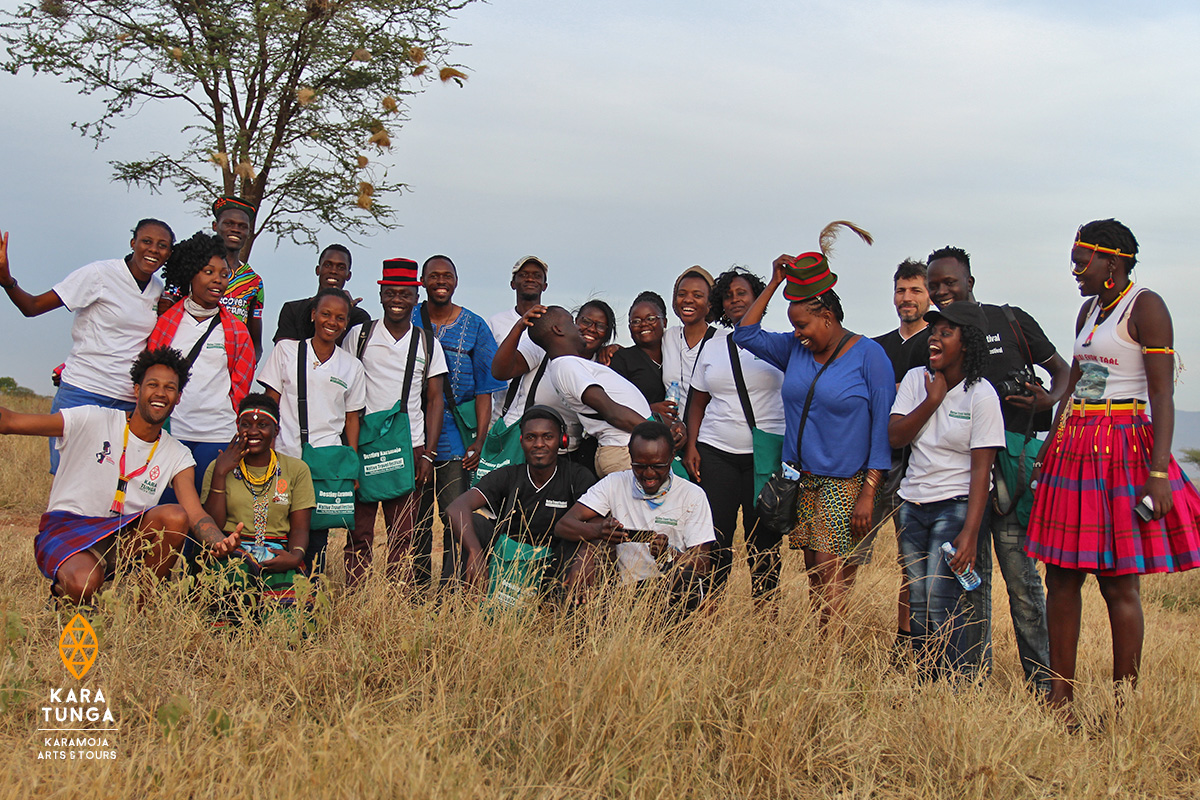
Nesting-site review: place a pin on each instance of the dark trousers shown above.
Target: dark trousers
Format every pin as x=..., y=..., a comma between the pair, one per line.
x=399, y=519
x=449, y=481
x=314, y=554
x=728, y=481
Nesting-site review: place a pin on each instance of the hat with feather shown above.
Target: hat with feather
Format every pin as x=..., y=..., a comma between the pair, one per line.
x=809, y=275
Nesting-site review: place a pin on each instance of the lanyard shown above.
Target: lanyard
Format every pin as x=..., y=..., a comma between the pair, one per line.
x=118, y=503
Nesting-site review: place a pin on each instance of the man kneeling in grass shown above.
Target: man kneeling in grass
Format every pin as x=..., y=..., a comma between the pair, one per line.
x=655, y=525
x=113, y=469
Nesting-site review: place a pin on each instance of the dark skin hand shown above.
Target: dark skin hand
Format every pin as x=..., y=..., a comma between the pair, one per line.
x=508, y=363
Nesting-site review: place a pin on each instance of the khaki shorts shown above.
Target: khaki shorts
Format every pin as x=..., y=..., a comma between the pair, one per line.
x=611, y=458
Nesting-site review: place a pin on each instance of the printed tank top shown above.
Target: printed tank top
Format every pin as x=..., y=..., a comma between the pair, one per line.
x=1111, y=363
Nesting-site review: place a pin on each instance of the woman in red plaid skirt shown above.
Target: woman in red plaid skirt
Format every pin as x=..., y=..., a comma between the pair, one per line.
x=1110, y=500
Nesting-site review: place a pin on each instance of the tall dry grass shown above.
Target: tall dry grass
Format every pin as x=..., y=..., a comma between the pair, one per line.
x=389, y=698
x=24, y=476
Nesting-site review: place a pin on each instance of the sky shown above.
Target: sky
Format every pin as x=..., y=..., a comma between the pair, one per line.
x=625, y=141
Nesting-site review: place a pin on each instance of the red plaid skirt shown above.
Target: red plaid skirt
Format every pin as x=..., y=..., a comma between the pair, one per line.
x=1083, y=515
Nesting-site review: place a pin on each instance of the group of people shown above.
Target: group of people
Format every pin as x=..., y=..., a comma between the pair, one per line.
x=556, y=458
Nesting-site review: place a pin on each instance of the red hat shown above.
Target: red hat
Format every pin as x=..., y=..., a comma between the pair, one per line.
x=400, y=272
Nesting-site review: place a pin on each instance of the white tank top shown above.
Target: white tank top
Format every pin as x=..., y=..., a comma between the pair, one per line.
x=1111, y=364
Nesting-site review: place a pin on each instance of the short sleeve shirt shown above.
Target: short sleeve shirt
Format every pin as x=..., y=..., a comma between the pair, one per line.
x=724, y=423
x=528, y=514
x=245, y=294
x=290, y=490
x=204, y=413
x=89, y=464
x=570, y=376
x=1007, y=353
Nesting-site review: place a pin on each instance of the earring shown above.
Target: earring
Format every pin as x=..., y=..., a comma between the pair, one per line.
x=826, y=323
x=1108, y=282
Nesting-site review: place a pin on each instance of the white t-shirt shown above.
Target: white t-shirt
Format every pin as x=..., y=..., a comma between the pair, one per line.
x=384, y=360
x=570, y=376
x=679, y=360
x=724, y=423
x=502, y=324
x=113, y=320
x=940, y=465
x=334, y=388
x=684, y=517
x=204, y=413
x=89, y=464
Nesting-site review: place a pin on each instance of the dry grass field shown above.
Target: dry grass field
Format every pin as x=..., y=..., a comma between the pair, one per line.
x=387, y=698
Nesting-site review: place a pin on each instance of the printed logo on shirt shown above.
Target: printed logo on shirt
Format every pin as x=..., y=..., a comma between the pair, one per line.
x=281, y=498
x=214, y=346
x=103, y=455
x=148, y=486
x=338, y=381
x=960, y=414
x=666, y=521
x=556, y=504
x=155, y=472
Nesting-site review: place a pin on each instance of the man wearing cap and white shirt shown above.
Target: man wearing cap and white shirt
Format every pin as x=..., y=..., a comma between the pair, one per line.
x=383, y=347
x=528, y=281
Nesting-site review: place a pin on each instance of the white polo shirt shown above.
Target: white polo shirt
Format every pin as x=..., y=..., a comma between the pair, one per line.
x=204, y=413
x=679, y=360
x=723, y=425
x=384, y=360
x=113, y=320
x=89, y=464
x=335, y=388
x=570, y=376
x=684, y=516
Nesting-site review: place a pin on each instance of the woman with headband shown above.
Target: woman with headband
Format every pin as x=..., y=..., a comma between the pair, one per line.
x=1110, y=499
x=265, y=497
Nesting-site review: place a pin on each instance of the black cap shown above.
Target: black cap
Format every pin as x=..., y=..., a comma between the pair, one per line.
x=961, y=313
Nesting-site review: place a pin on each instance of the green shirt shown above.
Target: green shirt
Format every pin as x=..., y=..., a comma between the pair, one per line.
x=292, y=490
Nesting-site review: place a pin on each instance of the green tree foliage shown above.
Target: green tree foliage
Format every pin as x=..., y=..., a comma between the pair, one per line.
x=10, y=387
x=1191, y=455
x=288, y=103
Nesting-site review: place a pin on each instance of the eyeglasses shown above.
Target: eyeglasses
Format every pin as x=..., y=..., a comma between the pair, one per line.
x=591, y=323
x=650, y=467
x=638, y=322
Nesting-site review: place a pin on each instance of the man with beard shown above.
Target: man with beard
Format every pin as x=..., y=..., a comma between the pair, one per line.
x=333, y=269
x=1016, y=343
x=113, y=469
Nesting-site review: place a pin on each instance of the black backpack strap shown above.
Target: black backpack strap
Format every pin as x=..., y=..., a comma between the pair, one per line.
x=533, y=384
x=364, y=336
x=739, y=380
x=302, y=389
x=194, y=353
x=812, y=388
x=411, y=366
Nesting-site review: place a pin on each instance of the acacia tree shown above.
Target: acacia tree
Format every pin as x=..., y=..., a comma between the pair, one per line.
x=289, y=104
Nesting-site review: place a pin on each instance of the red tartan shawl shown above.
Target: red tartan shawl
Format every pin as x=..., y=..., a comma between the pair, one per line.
x=239, y=350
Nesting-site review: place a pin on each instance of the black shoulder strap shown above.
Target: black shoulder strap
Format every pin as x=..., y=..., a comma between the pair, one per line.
x=533, y=384
x=302, y=388
x=194, y=353
x=1018, y=332
x=739, y=380
x=410, y=367
x=811, y=388
x=364, y=336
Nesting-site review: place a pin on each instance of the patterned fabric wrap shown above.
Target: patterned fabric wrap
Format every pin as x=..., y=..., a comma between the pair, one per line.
x=244, y=297
x=249, y=597
x=823, y=511
x=1083, y=509
x=62, y=534
x=239, y=349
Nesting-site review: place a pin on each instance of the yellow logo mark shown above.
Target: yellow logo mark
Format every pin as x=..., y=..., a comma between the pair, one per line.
x=78, y=646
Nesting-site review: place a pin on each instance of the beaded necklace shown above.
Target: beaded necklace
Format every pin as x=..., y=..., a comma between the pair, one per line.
x=259, y=488
x=1103, y=315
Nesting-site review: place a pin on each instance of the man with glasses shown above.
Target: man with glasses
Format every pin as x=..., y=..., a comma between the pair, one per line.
x=655, y=525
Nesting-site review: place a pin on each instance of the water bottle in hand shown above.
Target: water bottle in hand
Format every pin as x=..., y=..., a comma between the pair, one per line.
x=969, y=578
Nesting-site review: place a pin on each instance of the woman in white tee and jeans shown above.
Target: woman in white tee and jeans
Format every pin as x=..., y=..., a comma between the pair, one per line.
x=115, y=303
x=951, y=417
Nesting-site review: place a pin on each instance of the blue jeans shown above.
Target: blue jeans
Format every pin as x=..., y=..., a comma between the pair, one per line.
x=69, y=396
x=945, y=630
x=1026, y=595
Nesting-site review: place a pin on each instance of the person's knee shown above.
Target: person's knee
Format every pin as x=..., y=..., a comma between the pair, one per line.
x=80, y=578
x=1121, y=590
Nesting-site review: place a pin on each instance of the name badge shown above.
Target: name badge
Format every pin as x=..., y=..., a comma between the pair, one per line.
x=556, y=504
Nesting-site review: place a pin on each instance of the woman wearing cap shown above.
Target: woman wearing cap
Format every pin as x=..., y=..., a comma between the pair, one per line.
x=720, y=443
x=266, y=497
x=1110, y=499
x=216, y=344
x=114, y=303
x=691, y=300
x=952, y=419
x=845, y=382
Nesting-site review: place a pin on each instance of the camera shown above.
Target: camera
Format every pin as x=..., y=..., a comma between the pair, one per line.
x=1014, y=383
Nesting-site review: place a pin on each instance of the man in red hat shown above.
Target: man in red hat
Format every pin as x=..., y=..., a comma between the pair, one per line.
x=333, y=269
x=402, y=421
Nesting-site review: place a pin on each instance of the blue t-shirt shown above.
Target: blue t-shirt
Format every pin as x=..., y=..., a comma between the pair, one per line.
x=847, y=423
x=469, y=347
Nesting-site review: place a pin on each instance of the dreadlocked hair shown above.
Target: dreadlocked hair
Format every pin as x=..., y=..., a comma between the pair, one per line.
x=188, y=258
x=722, y=285
x=975, y=353
x=1110, y=233
x=827, y=300
x=957, y=253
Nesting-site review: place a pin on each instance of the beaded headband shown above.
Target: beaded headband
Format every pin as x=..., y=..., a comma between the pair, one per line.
x=257, y=411
x=1095, y=248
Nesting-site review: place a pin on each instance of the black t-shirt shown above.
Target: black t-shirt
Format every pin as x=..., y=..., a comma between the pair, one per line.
x=525, y=513
x=905, y=353
x=635, y=366
x=295, y=320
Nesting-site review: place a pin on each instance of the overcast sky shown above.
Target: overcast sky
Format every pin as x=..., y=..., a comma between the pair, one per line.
x=623, y=142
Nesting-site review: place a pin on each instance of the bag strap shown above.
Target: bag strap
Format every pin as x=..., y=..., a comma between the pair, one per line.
x=302, y=389
x=363, y=336
x=447, y=389
x=709, y=333
x=739, y=380
x=1014, y=495
x=410, y=367
x=194, y=353
x=1018, y=332
x=811, y=388
x=533, y=384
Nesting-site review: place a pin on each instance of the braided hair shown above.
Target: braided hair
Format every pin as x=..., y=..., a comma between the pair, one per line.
x=827, y=300
x=1111, y=233
x=975, y=353
x=188, y=258
x=654, y=299
x=722, y=285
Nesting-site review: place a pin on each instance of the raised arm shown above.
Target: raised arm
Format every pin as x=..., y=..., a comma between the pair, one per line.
x=903, y=428
x=508, y=362
x=15, y=423
x=30, y=305
x=754, y=314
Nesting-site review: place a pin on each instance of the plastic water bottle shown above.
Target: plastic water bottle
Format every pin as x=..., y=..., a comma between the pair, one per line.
x=969, y=578
x=674, y=395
